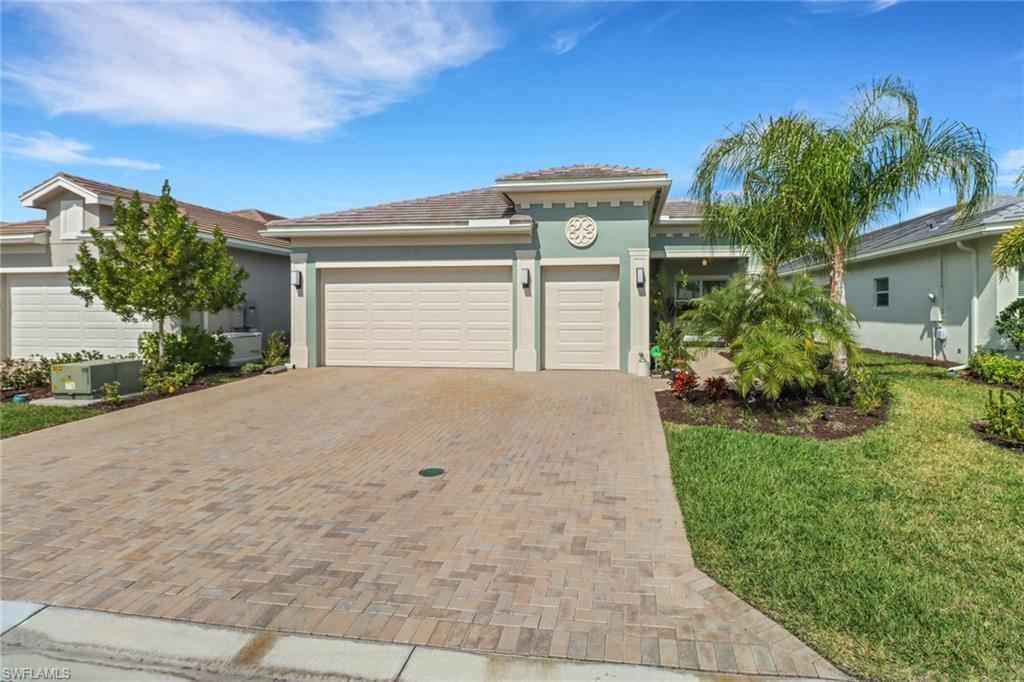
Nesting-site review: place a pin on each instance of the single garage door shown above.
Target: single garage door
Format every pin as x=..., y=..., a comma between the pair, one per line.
x=46, y=319
x=418, y=317
x=581, y=317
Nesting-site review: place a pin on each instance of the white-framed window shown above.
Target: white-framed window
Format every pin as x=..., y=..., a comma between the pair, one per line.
x=881, y=292
x=72, y=218
x=697, y=287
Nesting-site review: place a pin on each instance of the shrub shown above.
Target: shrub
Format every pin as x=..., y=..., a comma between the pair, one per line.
x=837, y=388
x=1005, y=416
x=171, y=380
x=716, y=388
x=192, y=345
x=769, y=359
x=684, y=384
x=1010, y=323
x=276, y=350
x=35, y=371
x=669, y=340
x=870, y=391
x=252, y=368
x=110, y=393
x=996, y=368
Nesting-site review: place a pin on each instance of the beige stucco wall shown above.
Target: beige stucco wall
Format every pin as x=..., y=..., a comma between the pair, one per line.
x=267, y=288
x=905, y=326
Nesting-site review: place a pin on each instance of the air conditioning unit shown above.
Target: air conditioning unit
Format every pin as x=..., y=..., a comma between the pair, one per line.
x=246, y=347
x=84, y=379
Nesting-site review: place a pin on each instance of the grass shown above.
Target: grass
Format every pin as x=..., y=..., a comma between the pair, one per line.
x=18, y=419
x=897, y=553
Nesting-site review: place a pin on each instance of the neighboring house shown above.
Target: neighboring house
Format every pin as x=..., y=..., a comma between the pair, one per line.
x=542, y=270
x=904, y=280
x=40, y=315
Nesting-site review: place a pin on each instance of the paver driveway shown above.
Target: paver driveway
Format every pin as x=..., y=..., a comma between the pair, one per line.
x=293, y=503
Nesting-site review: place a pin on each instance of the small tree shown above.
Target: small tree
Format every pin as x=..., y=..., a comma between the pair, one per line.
x=1008, y=253
x=156, y=266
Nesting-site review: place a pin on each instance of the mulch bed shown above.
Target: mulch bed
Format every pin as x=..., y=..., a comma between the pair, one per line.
x=919, y=359
x=38, y=392
x=981, y=428
x=785, y=418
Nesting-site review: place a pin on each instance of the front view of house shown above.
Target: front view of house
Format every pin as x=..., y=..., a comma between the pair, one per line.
x=548, y=269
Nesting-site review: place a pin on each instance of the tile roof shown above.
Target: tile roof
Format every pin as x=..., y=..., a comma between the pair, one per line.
x=457, y=207
x=1001, y=209
x=257, y=214
x=232, y=225
x=677, y=209
x=25, y=227
x=583, y=171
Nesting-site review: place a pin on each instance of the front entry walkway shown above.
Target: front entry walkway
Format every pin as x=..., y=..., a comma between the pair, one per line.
x=293, y=503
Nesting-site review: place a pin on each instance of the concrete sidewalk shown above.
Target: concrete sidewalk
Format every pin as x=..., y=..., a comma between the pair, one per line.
x=78, y=644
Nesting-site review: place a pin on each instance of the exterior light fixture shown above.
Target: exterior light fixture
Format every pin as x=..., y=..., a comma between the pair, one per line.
x=704, y=262
x=524, y=277
x=296, y=278
x=641, y=277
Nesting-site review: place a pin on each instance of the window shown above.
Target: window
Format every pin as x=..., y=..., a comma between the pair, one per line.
x=72, y=218
x=881, y=292
x=696, y=288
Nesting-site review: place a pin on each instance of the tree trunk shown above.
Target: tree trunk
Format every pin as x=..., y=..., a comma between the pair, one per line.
x=837, y=292
x=160, y=343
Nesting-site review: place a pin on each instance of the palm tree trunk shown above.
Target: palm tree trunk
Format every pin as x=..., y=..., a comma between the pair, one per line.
x=837, y=291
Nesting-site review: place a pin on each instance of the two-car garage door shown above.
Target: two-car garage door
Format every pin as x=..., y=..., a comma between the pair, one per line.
x=45, y=318
x=426, y=317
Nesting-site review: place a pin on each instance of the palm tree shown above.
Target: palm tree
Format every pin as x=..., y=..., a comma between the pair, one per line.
x=843, y=177
x=1008, y=253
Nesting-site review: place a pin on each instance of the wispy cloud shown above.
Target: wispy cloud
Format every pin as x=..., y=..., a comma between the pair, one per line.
x=1010, y=165
x=44, y=146
x=857, y=7
x=236, y=67
x=566, y=40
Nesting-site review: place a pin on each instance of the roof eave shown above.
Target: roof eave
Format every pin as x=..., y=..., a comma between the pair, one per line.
x=647, y=182
x=34, y=237
x=467, y=228
x=35, y=197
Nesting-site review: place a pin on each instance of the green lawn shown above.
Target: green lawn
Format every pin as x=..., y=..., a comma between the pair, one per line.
x=18, y=419
x=897, y=554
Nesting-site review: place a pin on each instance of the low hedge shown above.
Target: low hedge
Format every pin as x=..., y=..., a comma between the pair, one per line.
x=996, y=368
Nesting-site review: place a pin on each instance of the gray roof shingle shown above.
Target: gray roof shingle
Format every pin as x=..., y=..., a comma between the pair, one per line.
x=681, y=209
x=456, y=207
x=24, y=227
x=583, y=171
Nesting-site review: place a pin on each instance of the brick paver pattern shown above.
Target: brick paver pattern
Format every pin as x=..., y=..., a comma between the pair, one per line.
x=292, y=503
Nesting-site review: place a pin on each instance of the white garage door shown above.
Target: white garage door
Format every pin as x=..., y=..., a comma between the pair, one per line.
x=408, y=317
x=581, y=317
x=46, y=319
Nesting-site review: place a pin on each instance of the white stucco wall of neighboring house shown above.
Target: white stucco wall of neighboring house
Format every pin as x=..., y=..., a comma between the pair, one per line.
x=267, y=288
x=905, y=325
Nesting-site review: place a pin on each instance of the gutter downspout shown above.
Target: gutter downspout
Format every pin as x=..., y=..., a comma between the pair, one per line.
x=973, y=327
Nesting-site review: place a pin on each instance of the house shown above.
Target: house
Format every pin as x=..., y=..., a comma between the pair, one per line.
x=40, y=315
x=547, y=269
x=905, y=281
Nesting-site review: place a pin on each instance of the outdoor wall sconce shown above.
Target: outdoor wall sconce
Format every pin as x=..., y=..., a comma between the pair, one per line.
x=704, y=262
x=641, y=277
x=296, y=279
x=524, y=277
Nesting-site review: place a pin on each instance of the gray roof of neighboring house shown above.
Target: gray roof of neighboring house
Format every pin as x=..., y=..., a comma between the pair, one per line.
x=583, y=171
x=457, y=207
x=24, y=227
x=1000, y=210
x=682, y=209
x=257, y=214
x=232, y=225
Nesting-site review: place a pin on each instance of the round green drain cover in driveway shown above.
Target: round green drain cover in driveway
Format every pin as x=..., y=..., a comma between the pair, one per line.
x=431, y=471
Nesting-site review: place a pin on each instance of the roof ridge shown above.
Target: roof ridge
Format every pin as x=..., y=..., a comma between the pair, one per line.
x=397, y=203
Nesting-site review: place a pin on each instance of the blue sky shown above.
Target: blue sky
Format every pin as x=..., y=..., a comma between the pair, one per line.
x=308, y=108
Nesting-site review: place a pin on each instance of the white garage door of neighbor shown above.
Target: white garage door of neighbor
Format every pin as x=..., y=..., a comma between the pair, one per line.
x=426, y=317
x=581, y=317
x=46, y=319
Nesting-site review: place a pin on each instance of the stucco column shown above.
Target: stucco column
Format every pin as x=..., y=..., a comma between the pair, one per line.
x=299, y=349
x=526, y=312
x=5, y=319
x=639, y=309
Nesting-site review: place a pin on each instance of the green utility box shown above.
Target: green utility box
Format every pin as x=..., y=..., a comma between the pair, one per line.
x=84, y=379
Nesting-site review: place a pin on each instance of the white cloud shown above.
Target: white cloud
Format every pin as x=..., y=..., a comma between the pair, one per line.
x=566, y=40
x=1010, y=165
x=848, y=6
x=64, y=150
x=234, y=67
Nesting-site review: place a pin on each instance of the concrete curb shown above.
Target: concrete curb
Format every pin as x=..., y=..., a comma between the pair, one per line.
x=95, y=645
